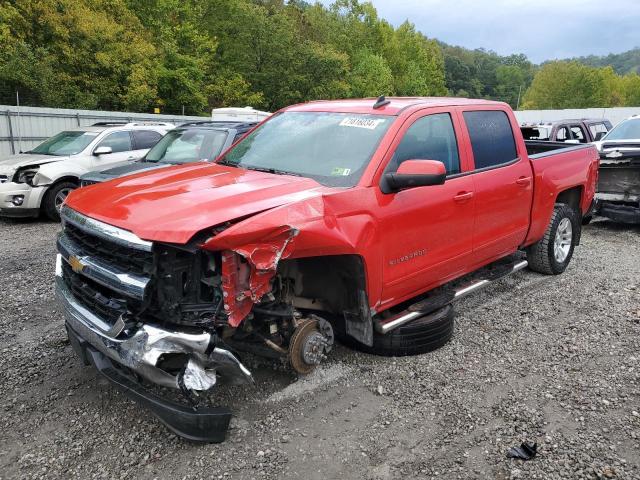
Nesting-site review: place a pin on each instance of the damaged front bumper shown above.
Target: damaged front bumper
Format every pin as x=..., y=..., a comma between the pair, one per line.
x=140, y=349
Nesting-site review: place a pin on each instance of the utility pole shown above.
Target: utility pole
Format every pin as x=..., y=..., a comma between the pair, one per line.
x=518, y=103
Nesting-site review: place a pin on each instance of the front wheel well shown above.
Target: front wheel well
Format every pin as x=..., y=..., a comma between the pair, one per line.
x=335, y=284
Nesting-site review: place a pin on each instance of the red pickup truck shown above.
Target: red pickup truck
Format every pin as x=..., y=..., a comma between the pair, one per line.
x=354, y=218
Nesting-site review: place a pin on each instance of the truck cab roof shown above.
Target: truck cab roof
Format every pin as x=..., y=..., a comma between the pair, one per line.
x=395, y=105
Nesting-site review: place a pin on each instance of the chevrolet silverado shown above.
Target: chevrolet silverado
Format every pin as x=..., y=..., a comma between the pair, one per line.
x=353, y=218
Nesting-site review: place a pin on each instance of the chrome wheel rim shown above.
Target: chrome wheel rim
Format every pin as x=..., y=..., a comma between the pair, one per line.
x=562, y=242
x=60, y=197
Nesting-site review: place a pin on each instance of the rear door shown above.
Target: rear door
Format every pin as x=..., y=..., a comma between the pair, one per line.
x=503, y=183
x=427, y=231
x=578, y=133
x=143, y=140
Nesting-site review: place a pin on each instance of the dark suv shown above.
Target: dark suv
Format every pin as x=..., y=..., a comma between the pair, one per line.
x=190, y=142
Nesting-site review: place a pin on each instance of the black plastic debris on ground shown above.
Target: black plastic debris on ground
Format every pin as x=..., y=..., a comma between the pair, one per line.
x=526, y=451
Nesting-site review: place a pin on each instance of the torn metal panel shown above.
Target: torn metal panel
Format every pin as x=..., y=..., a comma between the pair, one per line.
x=247, y=279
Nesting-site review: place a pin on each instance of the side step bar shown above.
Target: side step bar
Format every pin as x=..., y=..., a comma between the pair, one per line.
x=439, y=300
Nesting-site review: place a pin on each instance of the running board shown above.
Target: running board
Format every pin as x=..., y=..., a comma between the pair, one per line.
x=439, y=300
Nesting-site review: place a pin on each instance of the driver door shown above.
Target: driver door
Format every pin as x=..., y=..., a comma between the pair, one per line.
x=122, y=150
x=427, y=232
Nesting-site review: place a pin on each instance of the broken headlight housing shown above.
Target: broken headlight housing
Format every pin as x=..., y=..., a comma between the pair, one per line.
x=26, y=175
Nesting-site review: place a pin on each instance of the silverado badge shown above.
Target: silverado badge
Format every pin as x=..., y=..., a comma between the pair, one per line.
x=75, y=264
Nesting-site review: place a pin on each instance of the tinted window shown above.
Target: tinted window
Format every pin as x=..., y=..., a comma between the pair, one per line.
x=598, y=130
x=429, y=138
x=562, y=135
x=491, y=138
x=118, y=141
x=578, y=134
x=145, y=139
x=535, y=133
x=185, y=146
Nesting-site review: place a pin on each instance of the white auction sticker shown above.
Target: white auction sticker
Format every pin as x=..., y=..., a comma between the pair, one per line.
x=360, y=122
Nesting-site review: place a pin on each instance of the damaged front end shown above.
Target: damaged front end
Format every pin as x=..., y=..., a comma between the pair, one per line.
x=177, y=316
x=618, y=195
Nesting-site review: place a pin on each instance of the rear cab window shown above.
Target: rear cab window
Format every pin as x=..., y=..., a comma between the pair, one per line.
x=491, y=137
x=578, y=133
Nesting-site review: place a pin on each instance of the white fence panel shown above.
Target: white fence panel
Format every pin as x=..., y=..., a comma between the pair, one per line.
x=614, y=115
x=25, y=127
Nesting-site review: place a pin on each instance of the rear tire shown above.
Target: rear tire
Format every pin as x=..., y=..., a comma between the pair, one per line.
x=422, y=335
x=55, y=195
x=552, y=253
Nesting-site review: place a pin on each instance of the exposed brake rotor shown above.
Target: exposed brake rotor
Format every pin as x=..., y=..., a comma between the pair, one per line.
x=309, y=344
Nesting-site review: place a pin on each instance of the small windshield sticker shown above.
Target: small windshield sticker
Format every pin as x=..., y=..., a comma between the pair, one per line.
x=91, y=134
x=340, y=172
x=361, y=122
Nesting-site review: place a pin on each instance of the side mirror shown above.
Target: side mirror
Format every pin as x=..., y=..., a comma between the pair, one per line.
x=415, y=173
x=102, y=151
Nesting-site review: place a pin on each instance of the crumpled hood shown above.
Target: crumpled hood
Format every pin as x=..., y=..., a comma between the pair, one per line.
x=10, y=164
x=173, y=204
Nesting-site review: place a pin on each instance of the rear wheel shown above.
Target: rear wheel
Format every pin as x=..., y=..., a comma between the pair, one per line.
x=422, y=335
x=54, y=198
x=551, y=254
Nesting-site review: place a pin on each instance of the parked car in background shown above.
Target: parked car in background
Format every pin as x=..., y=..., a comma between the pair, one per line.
x=584, y=130
x=39, y=180
x=190, y=142
x=350, y=217
x=234, y=114
x=618, y=196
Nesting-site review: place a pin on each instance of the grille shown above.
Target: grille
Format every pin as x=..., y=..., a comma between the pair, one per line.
x=126, y=259
x=621, y=145
x=93, y=296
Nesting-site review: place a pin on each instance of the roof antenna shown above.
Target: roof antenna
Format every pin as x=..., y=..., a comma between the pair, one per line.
x=381, y=102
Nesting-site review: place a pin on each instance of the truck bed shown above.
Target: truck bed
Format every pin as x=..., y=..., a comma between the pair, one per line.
x=537, y=148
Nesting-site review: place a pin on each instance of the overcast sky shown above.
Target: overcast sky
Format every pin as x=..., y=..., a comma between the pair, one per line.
x=541, y=29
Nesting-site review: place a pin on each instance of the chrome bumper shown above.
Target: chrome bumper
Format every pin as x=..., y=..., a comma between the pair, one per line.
x=141, y=349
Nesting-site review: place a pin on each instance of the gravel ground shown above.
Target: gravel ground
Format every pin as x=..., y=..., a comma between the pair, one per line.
x=549, y=359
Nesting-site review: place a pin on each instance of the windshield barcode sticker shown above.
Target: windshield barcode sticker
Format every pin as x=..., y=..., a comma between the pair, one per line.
x=368, y=123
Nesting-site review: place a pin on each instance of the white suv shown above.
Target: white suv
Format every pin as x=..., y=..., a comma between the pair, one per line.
x=39, y=180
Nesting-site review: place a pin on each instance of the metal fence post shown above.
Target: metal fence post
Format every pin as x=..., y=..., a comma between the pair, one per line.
x=11, y=139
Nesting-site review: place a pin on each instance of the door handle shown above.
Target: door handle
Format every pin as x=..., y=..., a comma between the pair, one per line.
x=523, y=181
x=131, y=158
x=463, y=197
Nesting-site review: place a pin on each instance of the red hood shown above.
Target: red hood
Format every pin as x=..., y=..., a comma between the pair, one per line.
x=173, y=204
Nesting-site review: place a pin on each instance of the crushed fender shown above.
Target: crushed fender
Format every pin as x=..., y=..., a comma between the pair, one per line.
x=247, y=270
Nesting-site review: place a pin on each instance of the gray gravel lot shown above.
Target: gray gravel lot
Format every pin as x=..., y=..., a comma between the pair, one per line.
x=550, y=359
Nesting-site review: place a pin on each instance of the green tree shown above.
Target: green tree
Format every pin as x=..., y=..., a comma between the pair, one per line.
x=573, y=85
x=370, y=76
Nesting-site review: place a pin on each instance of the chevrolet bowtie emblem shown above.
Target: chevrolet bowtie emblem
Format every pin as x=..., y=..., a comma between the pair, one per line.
x=75, y=264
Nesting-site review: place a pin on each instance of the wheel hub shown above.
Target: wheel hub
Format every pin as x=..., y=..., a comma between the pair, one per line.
x=562, y=241
x=311, y=341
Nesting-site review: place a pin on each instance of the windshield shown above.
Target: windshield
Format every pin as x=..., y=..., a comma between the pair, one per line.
x=65, y=143
x=186, y=146
x=627, y=130
x=332, y=148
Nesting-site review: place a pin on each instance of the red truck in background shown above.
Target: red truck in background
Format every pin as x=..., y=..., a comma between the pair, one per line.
x=353, y=218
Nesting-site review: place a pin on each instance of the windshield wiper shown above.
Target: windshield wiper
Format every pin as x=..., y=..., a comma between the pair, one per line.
x=270, y=170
